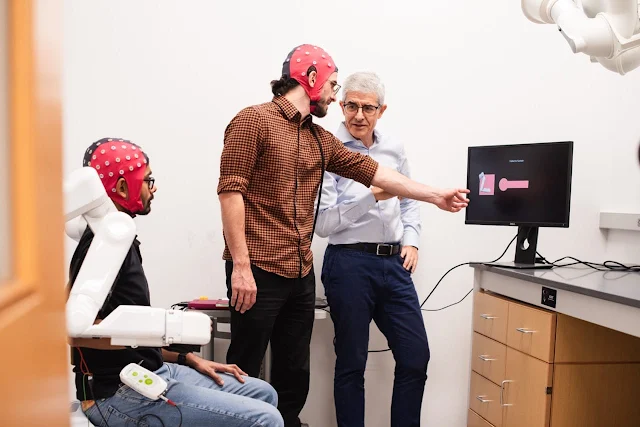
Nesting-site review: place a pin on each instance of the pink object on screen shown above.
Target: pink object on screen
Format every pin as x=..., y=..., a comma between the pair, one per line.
x=505, y=184
x=487, y=184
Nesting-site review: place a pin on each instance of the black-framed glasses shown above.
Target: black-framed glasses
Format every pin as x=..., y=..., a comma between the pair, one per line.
x=151, y=181
x=336, y=89
x=367, y=109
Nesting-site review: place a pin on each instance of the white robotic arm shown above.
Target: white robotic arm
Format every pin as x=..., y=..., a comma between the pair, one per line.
x=606, y=30
x=114, y=232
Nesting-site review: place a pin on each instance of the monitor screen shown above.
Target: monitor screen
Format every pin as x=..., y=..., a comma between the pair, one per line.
x=522, y=184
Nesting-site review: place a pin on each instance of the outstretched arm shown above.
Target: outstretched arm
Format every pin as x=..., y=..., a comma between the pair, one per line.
x=451, y=200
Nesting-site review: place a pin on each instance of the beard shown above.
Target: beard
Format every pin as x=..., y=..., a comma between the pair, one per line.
x=322, y=107
x=147, y=208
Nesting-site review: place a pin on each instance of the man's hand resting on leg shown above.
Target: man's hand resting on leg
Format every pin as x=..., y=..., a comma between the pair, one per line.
x=211, y=369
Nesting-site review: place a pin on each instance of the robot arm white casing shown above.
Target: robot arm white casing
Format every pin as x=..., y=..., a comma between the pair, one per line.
x=606, y=30
x=114, y=233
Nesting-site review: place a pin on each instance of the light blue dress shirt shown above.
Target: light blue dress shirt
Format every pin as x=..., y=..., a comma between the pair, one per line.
x=348, y=210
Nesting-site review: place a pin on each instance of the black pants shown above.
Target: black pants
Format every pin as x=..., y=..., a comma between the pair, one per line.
x=283, y=313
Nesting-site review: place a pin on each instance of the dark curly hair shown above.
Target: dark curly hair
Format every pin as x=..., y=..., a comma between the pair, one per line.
x=282, y=86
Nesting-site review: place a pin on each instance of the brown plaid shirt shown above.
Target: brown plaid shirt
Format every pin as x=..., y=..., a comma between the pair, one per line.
x=271, y=156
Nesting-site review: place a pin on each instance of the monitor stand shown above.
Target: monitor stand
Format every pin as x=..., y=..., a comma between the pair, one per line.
x=526, y=245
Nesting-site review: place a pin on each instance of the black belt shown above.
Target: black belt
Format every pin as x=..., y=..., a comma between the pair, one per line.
x=382, y=249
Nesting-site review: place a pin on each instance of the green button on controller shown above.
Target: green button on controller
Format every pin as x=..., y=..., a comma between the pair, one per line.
x=135, y=374
x=148, y=381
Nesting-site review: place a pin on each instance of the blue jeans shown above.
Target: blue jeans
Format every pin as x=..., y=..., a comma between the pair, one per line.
x=360, y=287
x=202, y=402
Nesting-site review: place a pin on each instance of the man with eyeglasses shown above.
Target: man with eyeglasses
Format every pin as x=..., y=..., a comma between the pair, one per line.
x=208, y=392
x=366, y=273
x=271, y=168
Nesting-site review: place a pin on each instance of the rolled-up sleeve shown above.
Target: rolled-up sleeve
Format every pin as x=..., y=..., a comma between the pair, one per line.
x=349, y=164
x=242, y=144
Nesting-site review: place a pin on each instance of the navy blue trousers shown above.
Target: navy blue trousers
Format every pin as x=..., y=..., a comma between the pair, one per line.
x=361, y=287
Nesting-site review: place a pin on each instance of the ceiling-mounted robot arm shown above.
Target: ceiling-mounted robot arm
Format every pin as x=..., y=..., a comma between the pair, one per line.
x=114, y=233
x=606, y=30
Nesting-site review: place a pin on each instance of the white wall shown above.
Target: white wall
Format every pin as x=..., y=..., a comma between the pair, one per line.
x=170, y=75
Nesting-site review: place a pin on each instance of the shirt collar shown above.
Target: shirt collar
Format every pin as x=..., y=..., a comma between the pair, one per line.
x=343, y=135
x=289, y=111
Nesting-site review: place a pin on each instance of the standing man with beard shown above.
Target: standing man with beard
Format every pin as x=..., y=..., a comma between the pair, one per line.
x=271, y=168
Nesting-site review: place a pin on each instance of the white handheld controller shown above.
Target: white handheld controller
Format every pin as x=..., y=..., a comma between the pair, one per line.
x=143, y=381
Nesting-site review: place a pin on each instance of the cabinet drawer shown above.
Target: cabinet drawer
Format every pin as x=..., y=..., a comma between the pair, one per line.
x=526, y=392
x=532, y=331
x=475, y=420
x=488, y=358
x=485, y=399
x=490, y=316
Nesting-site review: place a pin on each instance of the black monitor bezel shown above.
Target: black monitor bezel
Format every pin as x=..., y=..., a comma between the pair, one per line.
x=564, y=224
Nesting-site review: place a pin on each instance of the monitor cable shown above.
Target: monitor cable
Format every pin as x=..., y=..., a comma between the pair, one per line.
x=606, y=266
x=438, y=283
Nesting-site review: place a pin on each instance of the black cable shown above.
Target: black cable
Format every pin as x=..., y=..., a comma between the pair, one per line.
x=95, y=401
x=438, y=283
x=150, y=416
x=315, y=219
x=450, y=305
x=180, y=411
x=460, y=265
x=605, y=266
x=156, y=417
x=182, y=305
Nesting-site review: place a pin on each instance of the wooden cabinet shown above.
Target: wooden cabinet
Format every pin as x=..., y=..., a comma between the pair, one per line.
x=526, y=401
x=488, y=358
x=536, y=368
x=532, y=331
x=490, y=317
x=476, y=420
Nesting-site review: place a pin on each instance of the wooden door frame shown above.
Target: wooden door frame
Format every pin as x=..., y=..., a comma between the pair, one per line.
x=32, y=315
x=35, y=135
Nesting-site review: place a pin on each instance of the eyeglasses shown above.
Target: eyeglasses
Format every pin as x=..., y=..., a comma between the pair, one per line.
x=336, y=89
x=368, y=110
x=151, y=181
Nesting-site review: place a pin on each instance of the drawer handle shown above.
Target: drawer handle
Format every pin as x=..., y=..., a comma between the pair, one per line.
x=525, y=330
x=501, y=391
x=485, y=358
x=488, y=316
x=483, y=400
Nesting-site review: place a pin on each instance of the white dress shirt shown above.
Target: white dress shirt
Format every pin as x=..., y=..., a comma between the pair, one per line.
x=349, y=212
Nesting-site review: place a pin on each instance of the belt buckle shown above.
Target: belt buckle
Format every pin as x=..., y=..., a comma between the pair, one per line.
x=385, y=245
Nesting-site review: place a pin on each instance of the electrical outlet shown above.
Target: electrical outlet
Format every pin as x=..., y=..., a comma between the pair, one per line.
x=549, y=297
x=620, y=221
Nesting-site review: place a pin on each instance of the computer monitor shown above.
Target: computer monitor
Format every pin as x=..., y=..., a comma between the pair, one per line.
x=523, y=185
